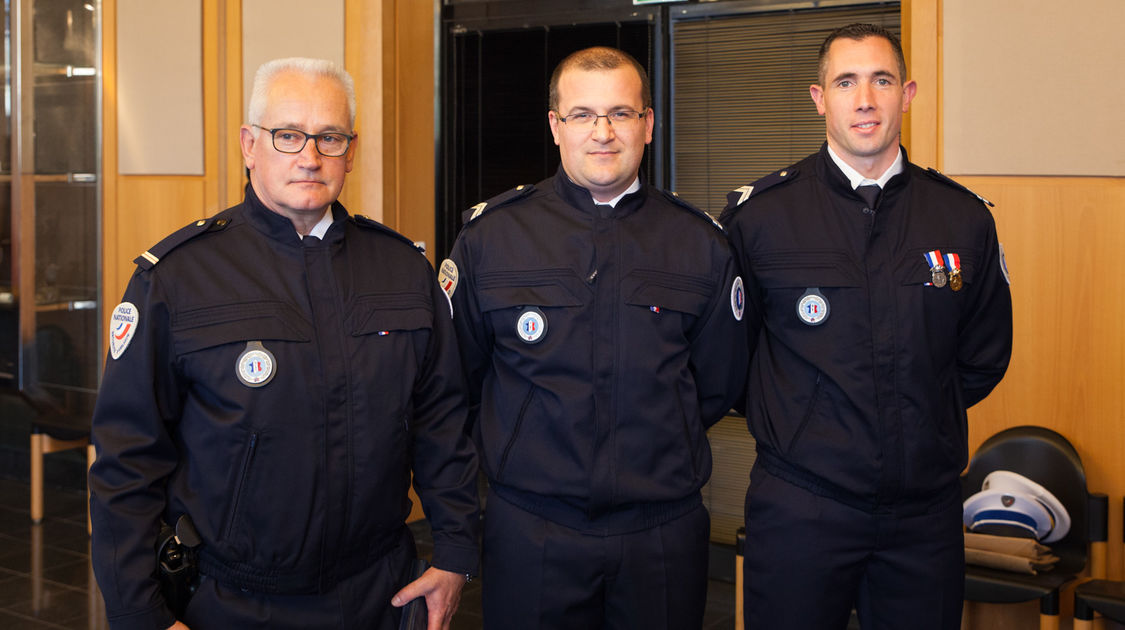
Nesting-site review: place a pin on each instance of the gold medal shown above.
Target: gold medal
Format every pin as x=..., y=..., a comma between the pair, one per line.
x=955, y=279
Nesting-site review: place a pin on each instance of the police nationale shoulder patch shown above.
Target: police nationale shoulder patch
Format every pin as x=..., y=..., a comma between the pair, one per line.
x=122, y=326
x=448, y=276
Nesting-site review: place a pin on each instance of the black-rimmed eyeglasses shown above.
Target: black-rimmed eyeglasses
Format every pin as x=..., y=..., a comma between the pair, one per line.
x=332, y=144
x=585, y=120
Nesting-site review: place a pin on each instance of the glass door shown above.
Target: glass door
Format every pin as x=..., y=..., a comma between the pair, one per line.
x=53, y=101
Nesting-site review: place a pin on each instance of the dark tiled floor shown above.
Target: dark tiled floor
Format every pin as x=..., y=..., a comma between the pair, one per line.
x=46, y=581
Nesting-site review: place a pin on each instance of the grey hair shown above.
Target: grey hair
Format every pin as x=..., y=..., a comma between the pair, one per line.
x=269, y=71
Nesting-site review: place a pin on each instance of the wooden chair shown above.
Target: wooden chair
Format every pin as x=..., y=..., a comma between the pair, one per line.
x=1106, y=597
x=54, y=429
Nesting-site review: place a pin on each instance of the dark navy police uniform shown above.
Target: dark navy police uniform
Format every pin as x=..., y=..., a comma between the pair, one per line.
x=862, y=368
x=280, y=392
x=599, y=345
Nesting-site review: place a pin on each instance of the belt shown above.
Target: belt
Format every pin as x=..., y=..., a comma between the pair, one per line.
x=285, y=582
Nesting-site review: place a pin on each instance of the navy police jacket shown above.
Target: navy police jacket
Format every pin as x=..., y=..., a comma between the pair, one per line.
x=862, y=366
x=279, y=392
x=599, y=344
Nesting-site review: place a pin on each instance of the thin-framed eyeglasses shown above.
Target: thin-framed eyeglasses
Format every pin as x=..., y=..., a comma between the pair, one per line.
x=333, y=144
x=588, y=120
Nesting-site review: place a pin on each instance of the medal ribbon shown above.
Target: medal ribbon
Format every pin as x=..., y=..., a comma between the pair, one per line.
x=953, y=262
x=933, y=258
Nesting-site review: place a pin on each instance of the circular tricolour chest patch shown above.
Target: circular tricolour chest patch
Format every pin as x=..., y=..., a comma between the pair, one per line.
x=256, y=365
x=531, y=325
x=813, y=308
x=737, y=298
x=122, y=326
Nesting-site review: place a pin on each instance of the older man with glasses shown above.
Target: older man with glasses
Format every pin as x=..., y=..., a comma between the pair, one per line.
x=276, y=373
x=599, y=319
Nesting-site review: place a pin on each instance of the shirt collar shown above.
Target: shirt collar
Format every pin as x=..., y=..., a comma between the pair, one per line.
x=634, y=187
x=321, y=226
x=856, y=179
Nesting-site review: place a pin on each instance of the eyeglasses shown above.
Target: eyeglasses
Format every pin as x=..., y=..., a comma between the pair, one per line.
x=588, y=120
x=293, y=141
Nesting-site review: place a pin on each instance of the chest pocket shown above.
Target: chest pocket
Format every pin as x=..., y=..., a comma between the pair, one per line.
x=375, y=314
x=548, y=288
x=201, y=328
x=914, y=270
x=686, y=294
x=801, y=269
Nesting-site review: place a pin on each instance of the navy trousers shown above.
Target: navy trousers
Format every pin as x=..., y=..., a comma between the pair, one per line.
x=541, y=575
x=809, y=560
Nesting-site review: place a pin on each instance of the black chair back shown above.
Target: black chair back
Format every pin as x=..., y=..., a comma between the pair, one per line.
x=1049, y=460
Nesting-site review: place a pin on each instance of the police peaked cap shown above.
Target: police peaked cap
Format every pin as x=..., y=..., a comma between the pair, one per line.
x=1010, y=504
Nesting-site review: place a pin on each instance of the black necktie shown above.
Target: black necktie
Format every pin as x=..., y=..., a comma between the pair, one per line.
x=310, y=241
x=870, y=193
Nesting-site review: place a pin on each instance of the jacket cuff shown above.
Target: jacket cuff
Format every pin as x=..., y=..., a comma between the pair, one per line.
x=457, y=559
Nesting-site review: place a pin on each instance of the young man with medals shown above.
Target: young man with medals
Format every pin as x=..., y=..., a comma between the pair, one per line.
x=858, y=401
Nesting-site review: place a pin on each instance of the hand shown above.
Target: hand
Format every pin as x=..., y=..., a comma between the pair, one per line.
x=179, y=625
x=442, y=590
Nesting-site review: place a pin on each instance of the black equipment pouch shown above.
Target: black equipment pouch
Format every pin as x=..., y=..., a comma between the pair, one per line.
x=177, y=563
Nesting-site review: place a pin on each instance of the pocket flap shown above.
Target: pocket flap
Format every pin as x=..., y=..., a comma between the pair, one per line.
x=915, y=270
x=548, y=293
x=677, y=293
x=214, y=326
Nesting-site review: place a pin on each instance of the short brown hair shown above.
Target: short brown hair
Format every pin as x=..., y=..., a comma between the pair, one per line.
x=859, y=32
x=598, y=58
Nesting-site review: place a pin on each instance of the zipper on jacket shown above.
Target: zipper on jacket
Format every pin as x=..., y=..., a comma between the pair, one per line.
x=515, y=432
x=241, y=483
x=813, y=400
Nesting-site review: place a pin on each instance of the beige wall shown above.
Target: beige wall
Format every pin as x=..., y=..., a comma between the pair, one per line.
x=1061, y=236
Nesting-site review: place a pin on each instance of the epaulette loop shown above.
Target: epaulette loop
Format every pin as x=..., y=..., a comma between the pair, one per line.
x=503, y=198
x=676, y=199
x=941, y=177
x=365, y=221
x=742, y=194
x=150, y=257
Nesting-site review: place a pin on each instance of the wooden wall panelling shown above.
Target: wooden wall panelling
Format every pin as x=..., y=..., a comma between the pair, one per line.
x=921, y=41
x=414, y=93
x=364, y=60
x=138, y=211
x=1061, y=237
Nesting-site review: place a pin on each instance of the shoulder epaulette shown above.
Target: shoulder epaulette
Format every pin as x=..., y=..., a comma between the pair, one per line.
x=152, y=255
x=505, y=197
x=742, y=194
x=364, y=221
x=675, y=199
x=938, y=175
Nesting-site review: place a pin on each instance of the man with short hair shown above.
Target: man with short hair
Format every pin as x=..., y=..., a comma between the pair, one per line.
x=276, y=373
x=878, y=311
x=598, y=319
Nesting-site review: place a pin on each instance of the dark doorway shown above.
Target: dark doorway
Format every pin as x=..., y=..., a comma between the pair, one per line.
x=494, y=133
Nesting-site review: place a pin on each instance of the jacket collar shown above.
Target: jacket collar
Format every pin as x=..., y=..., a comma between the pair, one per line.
x=831, y=175
x=280, y=228
x=581, y=198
